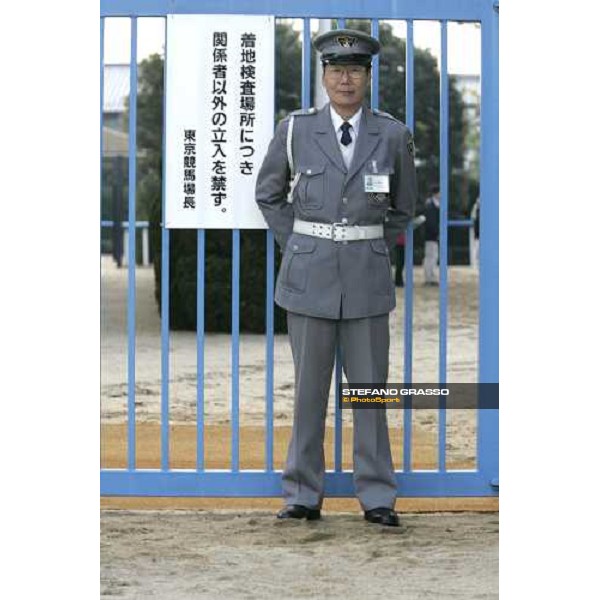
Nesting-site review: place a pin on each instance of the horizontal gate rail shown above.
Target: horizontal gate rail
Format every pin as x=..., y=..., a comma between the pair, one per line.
x=457, y=10
x=261, y=484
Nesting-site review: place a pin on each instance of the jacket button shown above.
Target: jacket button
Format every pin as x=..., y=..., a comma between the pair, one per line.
x=309, y=171
x=295, y=247
x=344, y=220
x=345, y=200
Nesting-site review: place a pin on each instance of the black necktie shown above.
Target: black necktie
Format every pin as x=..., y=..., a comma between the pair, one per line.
x=346, y=138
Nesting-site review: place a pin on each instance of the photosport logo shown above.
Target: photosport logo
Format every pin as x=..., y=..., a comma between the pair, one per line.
x=419, y=395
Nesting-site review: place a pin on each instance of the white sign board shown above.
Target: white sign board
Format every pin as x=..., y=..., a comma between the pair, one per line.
x=219, y=118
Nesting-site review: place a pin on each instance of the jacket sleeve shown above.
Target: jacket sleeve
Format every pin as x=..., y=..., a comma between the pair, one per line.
x=403, y=191
x=272, y=185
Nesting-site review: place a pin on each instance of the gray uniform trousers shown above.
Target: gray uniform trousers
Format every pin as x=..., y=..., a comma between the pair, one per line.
x=364, y=344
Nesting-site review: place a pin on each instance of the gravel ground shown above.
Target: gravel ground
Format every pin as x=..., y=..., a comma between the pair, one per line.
x=461, y=360
x=251, y=555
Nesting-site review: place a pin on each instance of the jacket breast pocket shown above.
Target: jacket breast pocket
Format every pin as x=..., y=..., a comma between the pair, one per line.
x=296, y=262
x=310, y=189
x=381, y=199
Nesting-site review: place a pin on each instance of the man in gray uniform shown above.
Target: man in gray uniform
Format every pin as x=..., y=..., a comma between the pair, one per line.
x=336, y=191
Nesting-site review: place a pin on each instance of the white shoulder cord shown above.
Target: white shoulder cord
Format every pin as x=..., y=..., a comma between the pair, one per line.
x=293, y=176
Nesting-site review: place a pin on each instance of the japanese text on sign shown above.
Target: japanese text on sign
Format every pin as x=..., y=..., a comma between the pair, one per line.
x=219, y=118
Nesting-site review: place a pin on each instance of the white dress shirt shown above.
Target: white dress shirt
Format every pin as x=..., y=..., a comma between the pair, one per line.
x=354, y=120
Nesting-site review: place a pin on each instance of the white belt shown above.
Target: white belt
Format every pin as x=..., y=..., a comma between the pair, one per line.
x=338, y=232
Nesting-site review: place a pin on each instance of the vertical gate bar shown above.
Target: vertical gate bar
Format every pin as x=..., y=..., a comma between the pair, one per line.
x=101, y=119
x=306, y=101
x=375, y=68
x=200, y=282
x=487, y=426
x=131, y=254
x=338, y=423
x=101, y=127
x=235, y=352
x=444, y=175
x=164, y=345
x=338, y=432
x=375, y=78
x=164, y=292
x=270, y=342
x=306, y=63
x=408, y=259
x=101, y=102
x=270, y=326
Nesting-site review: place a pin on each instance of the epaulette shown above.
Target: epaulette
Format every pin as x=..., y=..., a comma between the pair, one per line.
x=304, y=111
x=380, y=113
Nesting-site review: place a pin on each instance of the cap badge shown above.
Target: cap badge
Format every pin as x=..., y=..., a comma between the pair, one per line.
x=346, y=41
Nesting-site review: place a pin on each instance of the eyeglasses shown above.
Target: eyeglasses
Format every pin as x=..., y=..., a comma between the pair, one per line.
x=353, y=72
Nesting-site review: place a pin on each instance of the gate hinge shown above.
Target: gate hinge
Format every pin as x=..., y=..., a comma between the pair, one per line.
x=496, y=6
x=495, y=482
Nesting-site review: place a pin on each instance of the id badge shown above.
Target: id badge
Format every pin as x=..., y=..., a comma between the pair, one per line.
x=377, y=184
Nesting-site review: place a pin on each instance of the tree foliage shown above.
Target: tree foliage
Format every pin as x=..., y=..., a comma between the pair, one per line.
x=183, y=246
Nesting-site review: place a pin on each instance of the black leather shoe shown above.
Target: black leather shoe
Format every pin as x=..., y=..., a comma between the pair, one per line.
x=383, y=516
x=297, y=511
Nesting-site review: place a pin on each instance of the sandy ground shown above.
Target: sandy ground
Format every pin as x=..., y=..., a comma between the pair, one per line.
x=243, y=552
x=462, y=361
x=250, y=555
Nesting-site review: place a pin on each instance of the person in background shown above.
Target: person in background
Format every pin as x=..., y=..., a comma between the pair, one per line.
x=432, y=236
x=400, y=243
x=475, y=217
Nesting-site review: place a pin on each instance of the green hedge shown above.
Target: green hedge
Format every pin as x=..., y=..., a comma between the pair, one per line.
x=218, y=278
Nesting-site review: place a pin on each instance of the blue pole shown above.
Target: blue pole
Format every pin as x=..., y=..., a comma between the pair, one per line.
x=200, y=262
x=270, y=328
x=101, y=119
x=131, y=253
x=164, y=295
x=408, y=260
x=306, y=63
x=270, y=343
x=487, y=430
x=338, y=431
x=235, y=353
x=444, y=187
x=375, y=68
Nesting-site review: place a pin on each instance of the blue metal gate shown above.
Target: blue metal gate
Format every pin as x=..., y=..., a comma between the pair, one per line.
x=481, y=481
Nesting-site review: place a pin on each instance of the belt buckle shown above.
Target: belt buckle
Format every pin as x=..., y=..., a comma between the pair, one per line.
x=334, y=231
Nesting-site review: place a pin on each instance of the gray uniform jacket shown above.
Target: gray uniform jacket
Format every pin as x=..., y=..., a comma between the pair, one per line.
x=319, y=277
